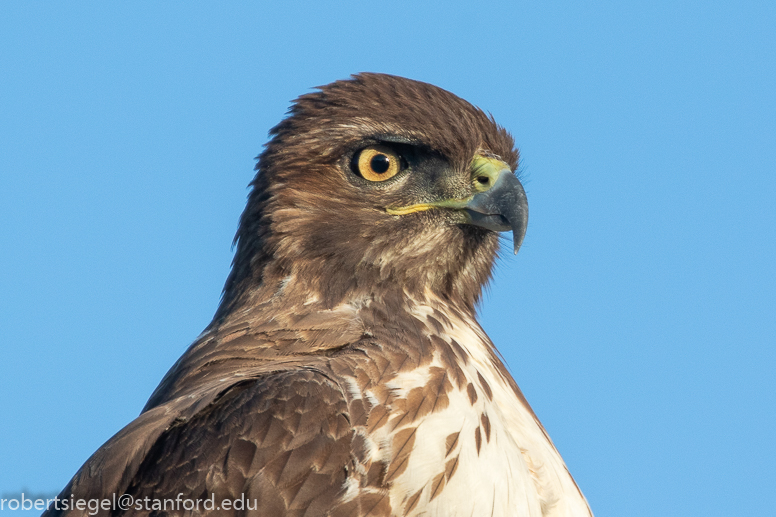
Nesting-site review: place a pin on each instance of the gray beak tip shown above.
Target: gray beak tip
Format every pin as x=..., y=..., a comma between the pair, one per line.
x=518, y=240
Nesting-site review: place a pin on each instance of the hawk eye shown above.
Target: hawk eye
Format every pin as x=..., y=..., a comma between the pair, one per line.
x=378, y=163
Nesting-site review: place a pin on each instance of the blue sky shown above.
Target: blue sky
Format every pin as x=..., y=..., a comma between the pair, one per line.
x=639, y=317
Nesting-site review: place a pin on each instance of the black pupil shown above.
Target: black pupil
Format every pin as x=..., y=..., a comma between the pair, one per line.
x=380, y=163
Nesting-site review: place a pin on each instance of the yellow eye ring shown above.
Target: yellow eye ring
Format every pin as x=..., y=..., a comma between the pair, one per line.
x=378, y=163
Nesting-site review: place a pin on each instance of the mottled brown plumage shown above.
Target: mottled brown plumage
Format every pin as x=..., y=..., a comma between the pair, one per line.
x=344, y=372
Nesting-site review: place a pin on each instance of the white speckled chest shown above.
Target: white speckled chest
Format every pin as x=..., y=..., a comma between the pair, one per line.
x=483, y=454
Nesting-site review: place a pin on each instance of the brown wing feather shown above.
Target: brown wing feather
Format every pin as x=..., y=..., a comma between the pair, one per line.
x=283, y=440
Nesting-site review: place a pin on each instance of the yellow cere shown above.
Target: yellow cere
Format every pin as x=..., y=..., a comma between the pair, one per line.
x=485, y=171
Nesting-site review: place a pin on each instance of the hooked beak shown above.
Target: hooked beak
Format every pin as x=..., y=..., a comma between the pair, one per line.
x=499, y=205
x=502, y=206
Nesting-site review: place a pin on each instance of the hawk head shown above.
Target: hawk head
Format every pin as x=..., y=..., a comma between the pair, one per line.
x=377, y=184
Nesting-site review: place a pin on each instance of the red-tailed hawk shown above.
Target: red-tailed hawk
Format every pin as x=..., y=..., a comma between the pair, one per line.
x=344, y=373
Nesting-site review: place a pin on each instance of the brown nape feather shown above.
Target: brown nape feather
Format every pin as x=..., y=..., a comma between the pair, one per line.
x=309, y=220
